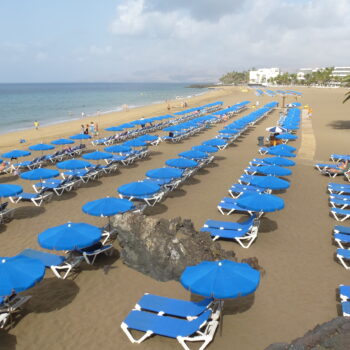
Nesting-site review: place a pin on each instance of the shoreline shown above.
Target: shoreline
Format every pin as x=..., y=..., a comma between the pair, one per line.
x=10, y=139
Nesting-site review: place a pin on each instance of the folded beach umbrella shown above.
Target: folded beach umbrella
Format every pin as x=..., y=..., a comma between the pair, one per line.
x=19, y=273
x=164, y=173
x=9, y=190
x=287, y=148
x=16, y=153
x=286, y=136
x=206, y=149
x=274, y=170
x=80, y=137
x=223, y=279
x=214, y=142
x=281, y=153
x=135, y=143
x=70, y=236
x=181, y=163
x=193, y=155
x=73, y=164
x=114, y=128
x=108, y=206
x=279, y=161
x=62, y=142
x=139, y=188
x=118, y=149
x=274, y=129
x=41, y=147
x=39, y=174
x=97, y=155
x=270, y=182
x=261, y=202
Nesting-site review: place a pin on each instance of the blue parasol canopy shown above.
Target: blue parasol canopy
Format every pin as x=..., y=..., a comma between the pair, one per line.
x=148, y=138
x=287, y=148
x=39, y=174
x=127, y=125
x=16, y=153
x=286, y=136
x=9, y=190
x=62, y=142
x=80, y=137
x=193, y=155
x=114, y=128
x=181, y=163
x=135, y=143
x=281, y=153
x=164, y=173
x=271, y=182
x=274, y=170
x=97, y=155
x=204, y=148
x=118, y=149
x=19, y=273
x=70, y=236
x=279, y=161
x=138, y=189
x=223, y=279
x=107, y=206
x=214, y=142
x=260, y=202
x=73, y=164
x=41, y=147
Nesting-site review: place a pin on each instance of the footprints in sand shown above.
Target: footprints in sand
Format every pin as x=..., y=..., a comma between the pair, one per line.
x=308, y=142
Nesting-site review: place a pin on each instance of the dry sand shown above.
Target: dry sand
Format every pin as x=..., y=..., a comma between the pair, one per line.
x=294, y=245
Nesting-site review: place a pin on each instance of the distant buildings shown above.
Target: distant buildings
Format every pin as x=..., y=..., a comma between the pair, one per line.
x=341, y=72
x=303, y=71
x=262, y=76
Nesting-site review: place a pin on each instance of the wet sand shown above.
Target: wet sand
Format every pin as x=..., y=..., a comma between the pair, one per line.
x=294, y=245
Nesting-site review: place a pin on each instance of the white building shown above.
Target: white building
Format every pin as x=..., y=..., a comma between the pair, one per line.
x=303, y=71
x=262, y=76
x=341, y=72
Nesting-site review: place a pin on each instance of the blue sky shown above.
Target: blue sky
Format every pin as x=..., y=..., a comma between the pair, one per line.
x=159, y=40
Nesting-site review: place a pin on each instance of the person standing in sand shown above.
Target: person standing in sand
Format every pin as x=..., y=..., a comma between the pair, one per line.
x=36, y=125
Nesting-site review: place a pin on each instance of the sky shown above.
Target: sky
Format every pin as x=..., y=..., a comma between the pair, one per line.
x=167, y=40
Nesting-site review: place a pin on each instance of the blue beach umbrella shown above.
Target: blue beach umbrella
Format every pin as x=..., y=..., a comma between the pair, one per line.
x=223, y=279
x=204, y=148
x=274, y=170
x=9, y=190
x=41, y=147
x=114, y=128
x=80, y=137
x=148, y=138
x=62, y=142
x=281, y=153
x=127, y=125
x=97, y=155
x=261, y=202
x=181, y=163
x=193, y=155
x=287, y=148
x=16, y=153
x=270, y=182
x=279, y=161
x=164, y=173
x=73, y=164
x=39, y=174
x=108, y=206
x=286, y=136
x=135, y=143
x=118, y=149
x=214, y=142
x=70, y=236
x=19, y=273
x=138, y=189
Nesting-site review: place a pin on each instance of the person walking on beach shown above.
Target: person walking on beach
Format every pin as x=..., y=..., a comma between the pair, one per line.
x=92, y=128
x=82, y=128
x=82, y=115
x=36, y=125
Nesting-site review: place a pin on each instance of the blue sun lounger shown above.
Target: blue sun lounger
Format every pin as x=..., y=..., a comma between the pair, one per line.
x=237, y=190
x=342, y=239
x=60, y=265
x=340, y=214
x=200, y=329
x=174, y=307
x=338, y=188
x=340, y=197
x=338, y=157
x=344, y=292
x=36, y=198
x=345, y=306
x=344, y=255
x=339, y=203
x=342, y=229
x=229, y=205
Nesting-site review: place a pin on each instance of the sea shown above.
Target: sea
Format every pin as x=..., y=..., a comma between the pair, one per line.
x=50, y=103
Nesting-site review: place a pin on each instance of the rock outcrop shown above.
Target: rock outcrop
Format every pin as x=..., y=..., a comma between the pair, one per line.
x=163, y=248
x=332, y=335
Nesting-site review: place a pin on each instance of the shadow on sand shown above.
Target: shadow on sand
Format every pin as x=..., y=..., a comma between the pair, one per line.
x=340, y=124
x=7, y=341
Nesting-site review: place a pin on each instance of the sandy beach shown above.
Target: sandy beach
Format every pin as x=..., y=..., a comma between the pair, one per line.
x=294, y=246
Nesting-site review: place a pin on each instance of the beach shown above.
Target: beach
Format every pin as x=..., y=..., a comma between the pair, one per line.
x=294, y=246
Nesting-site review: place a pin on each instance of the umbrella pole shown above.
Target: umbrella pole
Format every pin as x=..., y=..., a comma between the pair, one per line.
x=221, y=316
